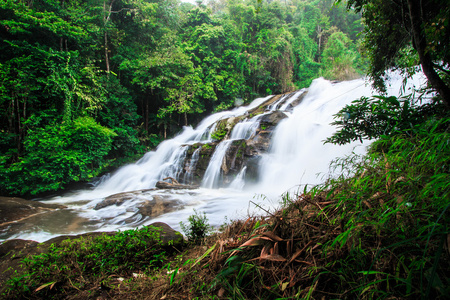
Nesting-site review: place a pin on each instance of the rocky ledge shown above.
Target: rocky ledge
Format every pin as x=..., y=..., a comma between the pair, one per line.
x=14, y=209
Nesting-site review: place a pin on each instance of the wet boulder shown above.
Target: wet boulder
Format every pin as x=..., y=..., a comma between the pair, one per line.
x=174, y=184
x=271, y=120
x=158, y=205
x=119, y=199
x=193, y=171
x=234, y=159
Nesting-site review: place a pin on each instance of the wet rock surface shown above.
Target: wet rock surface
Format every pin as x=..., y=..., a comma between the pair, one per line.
x=150, y=205
x=120, y=198
x=175, y=186
x=158, y=205
x=13, y=209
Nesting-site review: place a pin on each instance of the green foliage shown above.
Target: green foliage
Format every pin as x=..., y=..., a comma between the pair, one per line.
x=58, y=154
x=143, y=69
x=221, y=130
x=394, y=31
x=398, y=199
x=219, y=134
x=378, y=231
x=119, y=114
x=75, y=264
x=369, y=118
x=198, y=227
x=338, y=59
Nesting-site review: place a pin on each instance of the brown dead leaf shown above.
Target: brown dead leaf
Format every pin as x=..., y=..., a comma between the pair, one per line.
x=274, y=257
x=272, y=236
x=256, y=241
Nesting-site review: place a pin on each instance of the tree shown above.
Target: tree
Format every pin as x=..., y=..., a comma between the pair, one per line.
x=338, y=58
x=395, y=27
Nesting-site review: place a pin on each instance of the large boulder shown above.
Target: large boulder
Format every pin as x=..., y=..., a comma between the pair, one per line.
x=168, y=235
x=152, y=206
x=117, y=199
x=260, y=142
x=158, y=205
x=271, y=120
x=173, y=184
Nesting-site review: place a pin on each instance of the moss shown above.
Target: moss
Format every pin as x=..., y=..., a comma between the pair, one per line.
x=221, y=130
x=240, y=153
x=206, y=147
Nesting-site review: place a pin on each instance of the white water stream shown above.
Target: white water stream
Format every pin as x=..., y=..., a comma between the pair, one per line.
x=297, y=154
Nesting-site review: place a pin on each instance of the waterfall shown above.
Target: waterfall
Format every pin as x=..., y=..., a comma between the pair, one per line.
x=192, y=164
x=256, y=157
x=239, y=182
x=244, y=130
x=212, y=174
x=156, y=164
x=297, y=152
x=274, y=106
x=298, y=155
x=289, y=101
x=174, y=165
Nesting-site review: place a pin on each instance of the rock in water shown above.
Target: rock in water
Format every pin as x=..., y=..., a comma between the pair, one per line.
x=158, y=206
x=116, y=199
x=173, y=185
x=14, y=209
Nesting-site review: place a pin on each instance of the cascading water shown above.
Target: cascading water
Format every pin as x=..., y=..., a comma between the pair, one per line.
x=239, y=182
x=192, y=165
x=212, y=174
x=153, y=166
x=244, y=130
x=295, y=155
x=288, y=103
x=297, y=151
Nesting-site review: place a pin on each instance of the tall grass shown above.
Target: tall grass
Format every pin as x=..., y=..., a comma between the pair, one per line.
x=395, y=215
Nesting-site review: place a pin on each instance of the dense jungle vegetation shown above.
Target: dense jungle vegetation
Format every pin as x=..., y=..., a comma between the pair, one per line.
x=86, y=85
x=380, y=230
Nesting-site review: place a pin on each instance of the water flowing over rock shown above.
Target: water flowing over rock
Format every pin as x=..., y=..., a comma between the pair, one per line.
x=273, y=145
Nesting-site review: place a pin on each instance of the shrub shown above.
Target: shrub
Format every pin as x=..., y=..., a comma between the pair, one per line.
x=198, y=227
x=57, y=155
x=76, y=264
x=369, y=118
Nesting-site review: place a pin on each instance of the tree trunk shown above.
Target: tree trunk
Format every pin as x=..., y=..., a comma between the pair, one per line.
x=106, y=16
x=420, y=44
x=106, y=53
x=146, y=115
x=19, y=128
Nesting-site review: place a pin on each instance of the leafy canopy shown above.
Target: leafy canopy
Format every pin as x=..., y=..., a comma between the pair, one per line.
x=401, y=34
